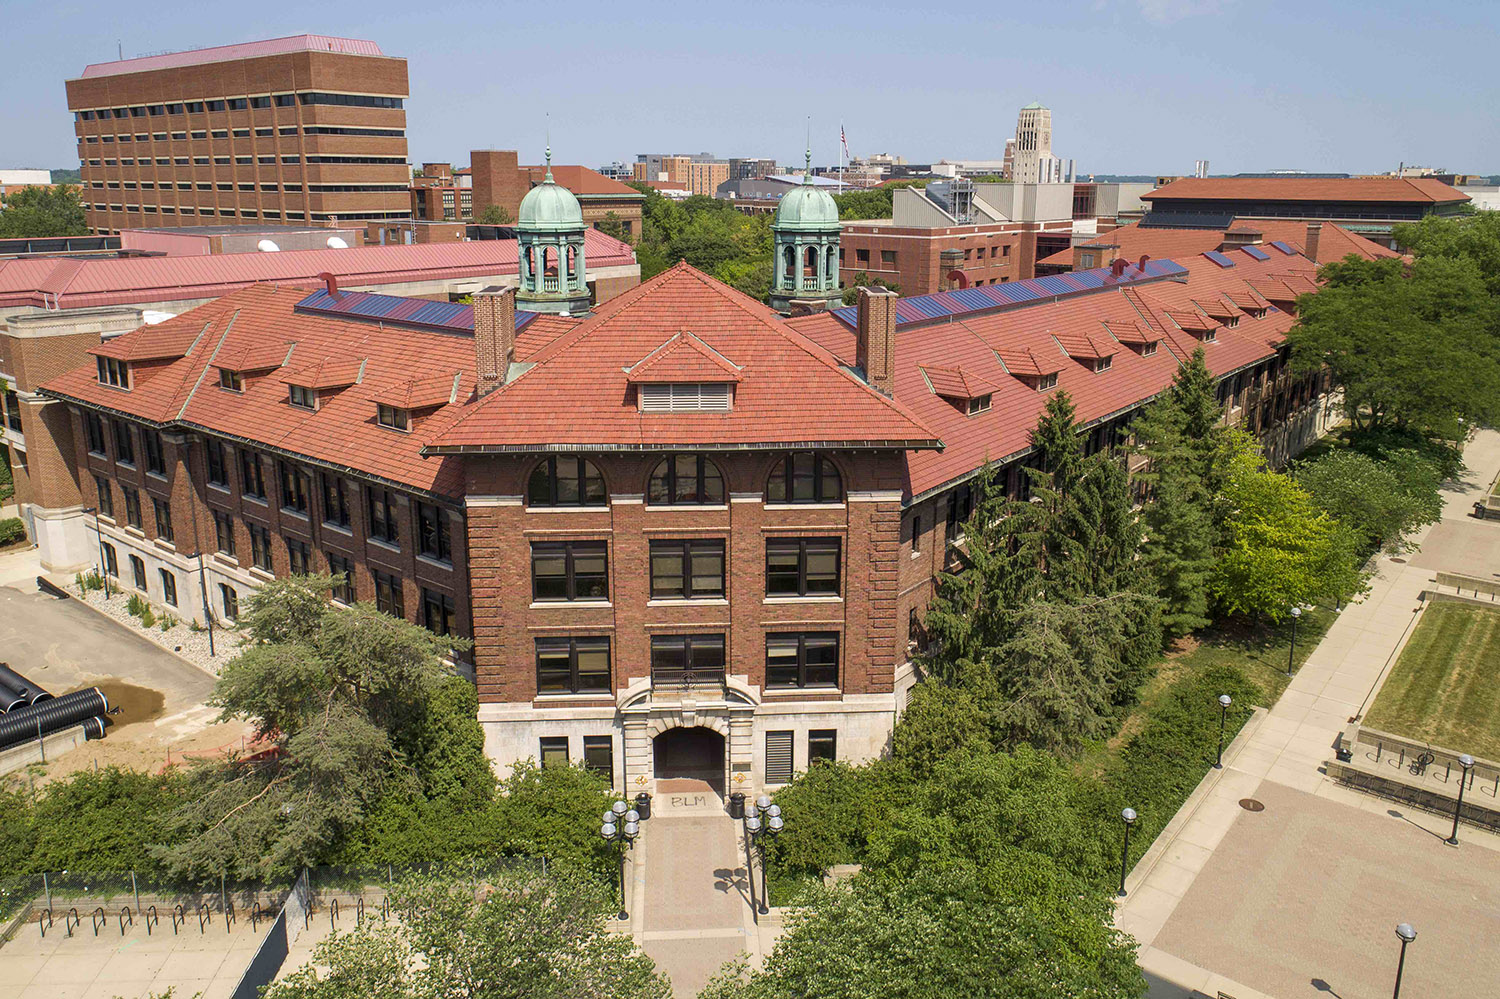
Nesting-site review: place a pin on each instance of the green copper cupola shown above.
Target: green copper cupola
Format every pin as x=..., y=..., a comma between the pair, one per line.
x=806, y=236
x=551, y=229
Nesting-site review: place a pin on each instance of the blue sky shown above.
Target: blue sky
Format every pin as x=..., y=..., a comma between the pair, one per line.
x=1136, y=86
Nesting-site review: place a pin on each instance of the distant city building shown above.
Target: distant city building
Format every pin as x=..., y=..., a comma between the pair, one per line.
x=14, y=180
x=308, y=128
x=500, y=179
x=437, y=195
x=700, y=173
x=1032, y=160
x=1200, y=168
x=617, y=171
x=751, y=168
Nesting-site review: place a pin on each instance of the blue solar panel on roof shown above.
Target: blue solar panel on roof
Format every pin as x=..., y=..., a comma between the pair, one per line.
x=1089, y=279
x=1053, y=285
x=1256, y=252
x=448, y=317
x=973, y=299
x=1072, y=282
x=848, y=314
x=1283, y=247
x=1219, y=258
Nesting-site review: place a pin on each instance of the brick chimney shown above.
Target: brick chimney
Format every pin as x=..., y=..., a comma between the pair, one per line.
x=494, y=336
x=1310, y=249
x=875, y=338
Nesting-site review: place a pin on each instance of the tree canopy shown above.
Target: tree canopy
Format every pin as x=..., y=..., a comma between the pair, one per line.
x=494, y=215
x=710, y=234
x=36, y=212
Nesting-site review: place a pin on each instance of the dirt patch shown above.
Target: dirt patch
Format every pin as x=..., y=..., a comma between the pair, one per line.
x=135, y=704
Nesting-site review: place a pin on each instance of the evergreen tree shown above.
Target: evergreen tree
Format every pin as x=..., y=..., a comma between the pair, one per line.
x=1178, y=547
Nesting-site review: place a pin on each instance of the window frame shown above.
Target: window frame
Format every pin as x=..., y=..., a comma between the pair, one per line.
x=138, y=573
x=106, y=496
x=436, y=543
x=784, y=474
x=802, y=546
x=93, y=425
x=252, y=475
x=592, y=744
x=446, y=612
x=229, y=602
x=110, y=559
x=572, y=643
x=684, y=554
x=802, y=638
x=298, y=556
x=667, y=471
x=384, y=523
x=296, y=485
x=548, y=746
x=687, y=642
x=570, y=551
x=231, y=381
x=820, y=736
x=216, y=464
x=124, y=443
x=341, y=566
x=335, y=500
x=393, y=417
x=389, y=598
x=168, y=586
x=302, y=397
x=260, y=547
x=551, y=501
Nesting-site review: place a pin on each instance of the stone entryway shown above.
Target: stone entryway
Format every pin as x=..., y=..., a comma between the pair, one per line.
x=689, y=755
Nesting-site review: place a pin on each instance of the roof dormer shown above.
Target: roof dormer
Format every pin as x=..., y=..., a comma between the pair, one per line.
x=1197, y=323
x=684, y=375
x=306, y=386
x=965, y=391
x=1138, y=337
x=396, y=405
x=234, y=366
x=1036, y=369
x=1097, y=353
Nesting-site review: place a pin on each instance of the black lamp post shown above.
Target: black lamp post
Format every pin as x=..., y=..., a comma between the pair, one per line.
x=208, y=612
x=1467, y=762
x=1224, y=701
x=1291, y=652
x=622, y=824
x=1128, y=817
x=1407, y=935
x=99, y=535
x=758, y=829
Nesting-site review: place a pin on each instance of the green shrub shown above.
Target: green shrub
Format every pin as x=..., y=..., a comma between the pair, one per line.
x=102, y=821
x=12, y=530
x=148, y=617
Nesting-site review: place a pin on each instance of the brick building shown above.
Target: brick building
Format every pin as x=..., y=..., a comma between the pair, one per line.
x=437, y=195
x=688, y=537
x=300, y=129
x=500, y=179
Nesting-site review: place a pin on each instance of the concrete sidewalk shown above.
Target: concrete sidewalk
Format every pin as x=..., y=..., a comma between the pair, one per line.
x=1288, y=746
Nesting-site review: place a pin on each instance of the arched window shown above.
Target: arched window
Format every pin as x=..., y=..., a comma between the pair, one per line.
x=685, y=478
x=831, y=261
x=810, y=262
x=565, y=481
x=804, y=477
x=791, y=261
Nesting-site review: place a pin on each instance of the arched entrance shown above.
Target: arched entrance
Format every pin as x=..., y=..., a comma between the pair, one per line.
x=695, y=754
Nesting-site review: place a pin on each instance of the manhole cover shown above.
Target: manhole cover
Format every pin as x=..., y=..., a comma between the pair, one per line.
x=1402, y=561
x=1251, y=805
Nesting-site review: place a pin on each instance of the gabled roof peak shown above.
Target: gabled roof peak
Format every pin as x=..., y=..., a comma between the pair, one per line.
x=682, y=359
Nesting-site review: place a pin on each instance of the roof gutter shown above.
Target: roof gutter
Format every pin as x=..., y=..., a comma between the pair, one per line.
x=928, y=444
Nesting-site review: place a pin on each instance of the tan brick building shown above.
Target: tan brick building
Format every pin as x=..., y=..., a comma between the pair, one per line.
x=299, y=129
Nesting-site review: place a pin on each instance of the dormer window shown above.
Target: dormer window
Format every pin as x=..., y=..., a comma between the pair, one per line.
x=685, y=397
x=302, y=397
x=231, y=380
x=1103, y=363
x=392, y=417
x=979, y=405
x=1209, y=336
x=1148, y=349
x=113, y=372
x=1046, y=382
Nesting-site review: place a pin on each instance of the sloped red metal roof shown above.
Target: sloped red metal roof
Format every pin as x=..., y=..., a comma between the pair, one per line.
x=230, y=53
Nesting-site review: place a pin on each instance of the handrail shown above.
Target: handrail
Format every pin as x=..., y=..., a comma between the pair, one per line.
x=674, y=676
x=255, y=916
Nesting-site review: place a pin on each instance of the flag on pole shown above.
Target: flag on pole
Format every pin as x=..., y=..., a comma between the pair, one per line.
x=843, y=141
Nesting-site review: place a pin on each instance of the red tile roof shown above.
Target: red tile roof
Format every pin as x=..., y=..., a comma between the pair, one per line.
x=956, y=383
x=328, y=373
x=683, y=359
x=420, y=393
x=583, y=182
x=1356, y=189
x=1335, y=243
x=72, y=283
x=1090, y=345
x=151, y=343
x=576, y=396
x=1131, y=332
x=254, y=357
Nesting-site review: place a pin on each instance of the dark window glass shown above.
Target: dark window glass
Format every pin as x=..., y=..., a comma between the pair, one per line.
x=681, y=653
x=822, y=744
x=260, y=546
x=155, y=460
x=687, y=569
x=960, y=506
x=565, y=482
x=106, y=496
x=382, y=510
x=804, y=477
x=168, y=588
x=572, y=665
x=224, y=532
x=802, y=567
x=111, y=560
x=569, y=570
x=432, y=532
x=132, y=507
x=232, y=380
x=437, y=612
x=138, y=572
x=295, y=485
x=810, y=659
x=252, y=476
x=335, y=501
x=342, y=570
x=218, y=472
x=388, y=594
x=599, y=754
x=95, y=427
x=299, y=557
x=554, y=751
x=124, y=444
x=229, y=599
x=685, y=478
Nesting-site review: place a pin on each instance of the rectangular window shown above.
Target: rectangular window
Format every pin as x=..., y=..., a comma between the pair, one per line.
x=218, y=472
x=888, y=258
x=960, y=506
x=573, y=665
x=335, y=501
x=342, y=570
x=106, y=496
x=390, y=416
x=779, y=757
x=252, y=477
x=111, y=560
x=231, y=380
x=229, y=599
x=95, y=429
x=298, y=556
x=822, y=744
x=381, y=505
x=295, y=485
x=224, y=532
x=132, y=507
x=569, y=570
x=260, y=547
x=437, y=612
x=432, y=532
x=162, y=510
x=1046, y=382
x=916, y=533
x=151, y=443
x=674, y=655
x=809, y=659
x=124, y=444
x=554, y=751
x=689, y=570
x=802, y=567
x=111, y=371
x=599, y=754
x=302, y=396
x=138, y=572
x=168, y=588
x=388, y=594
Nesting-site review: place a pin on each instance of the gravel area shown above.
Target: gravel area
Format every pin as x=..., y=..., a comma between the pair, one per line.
x=180, y=639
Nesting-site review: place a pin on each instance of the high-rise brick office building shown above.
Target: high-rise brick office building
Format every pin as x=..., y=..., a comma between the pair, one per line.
x=298, y=129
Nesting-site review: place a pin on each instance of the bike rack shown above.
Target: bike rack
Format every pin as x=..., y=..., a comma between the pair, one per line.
x=179, y=917
x=385, y=909
x=359, y=912
x=44, y=921
x=126, y=915
x=333, y=914
x=229, y=916
x=255, y=916
x=151, y=917
x=205, y=916
x=72, y=921
x=98, y=916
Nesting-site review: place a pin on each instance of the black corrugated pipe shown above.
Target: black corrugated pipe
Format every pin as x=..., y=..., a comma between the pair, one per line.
x=49, y=716
x=33, y=692
x=10, y=698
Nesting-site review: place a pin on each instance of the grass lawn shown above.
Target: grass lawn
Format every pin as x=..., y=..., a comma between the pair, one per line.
x=1445, y=689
